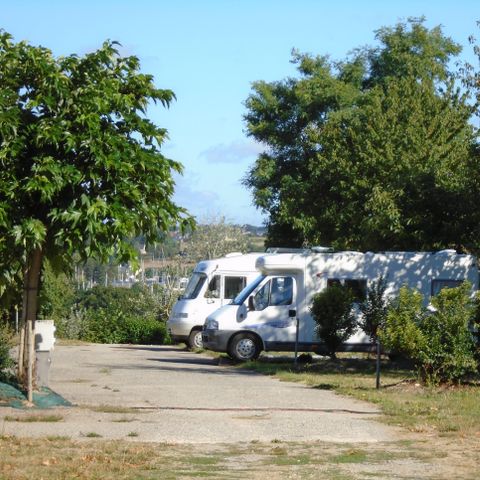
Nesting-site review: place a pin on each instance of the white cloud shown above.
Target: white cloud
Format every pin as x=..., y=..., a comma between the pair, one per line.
x=235, y=152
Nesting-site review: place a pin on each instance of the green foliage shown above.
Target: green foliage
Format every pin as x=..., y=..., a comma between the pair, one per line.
x=374, y=309
x=6, y=343
x=375, y=152
x=440, y=342
x=401, y=332
x=333, y=313
x=113, y=325
x=449, y=353
x=117, y=315
x=57, y=295
x=81, y=166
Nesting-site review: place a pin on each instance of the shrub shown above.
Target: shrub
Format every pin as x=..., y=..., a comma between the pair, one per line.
x=114, y=325
x=118, y=315
x=401, y=333
x=449, y=350
x=374, y=309
x=6, y=342
x=440, y=342
x=332, y=310
x=57, y=295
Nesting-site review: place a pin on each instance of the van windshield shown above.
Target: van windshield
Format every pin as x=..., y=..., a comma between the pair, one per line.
x=245, y=293
x=194, y=286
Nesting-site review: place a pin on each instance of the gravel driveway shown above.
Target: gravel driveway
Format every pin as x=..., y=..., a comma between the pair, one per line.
x=166, y=394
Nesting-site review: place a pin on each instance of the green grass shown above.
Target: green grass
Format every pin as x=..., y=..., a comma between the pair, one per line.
x=34, y=418
x=113, y=409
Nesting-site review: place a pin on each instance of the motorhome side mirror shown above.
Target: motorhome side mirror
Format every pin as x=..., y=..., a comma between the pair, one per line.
x=251, y=304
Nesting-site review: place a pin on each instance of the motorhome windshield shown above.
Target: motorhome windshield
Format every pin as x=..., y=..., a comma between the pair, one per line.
x=194, y=286
x=244, y=294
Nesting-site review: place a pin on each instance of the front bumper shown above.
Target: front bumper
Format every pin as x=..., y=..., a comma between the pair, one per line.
x=217, y=340
x=179, y=327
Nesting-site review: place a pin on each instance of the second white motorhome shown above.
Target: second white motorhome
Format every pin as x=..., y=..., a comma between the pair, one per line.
x=213, y=283
x=265, y=314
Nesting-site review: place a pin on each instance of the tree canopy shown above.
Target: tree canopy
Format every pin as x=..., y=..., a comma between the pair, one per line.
x=81, y=167
x=375, y=152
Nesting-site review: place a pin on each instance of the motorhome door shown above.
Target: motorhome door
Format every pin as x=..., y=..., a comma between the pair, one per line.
x=272, y=309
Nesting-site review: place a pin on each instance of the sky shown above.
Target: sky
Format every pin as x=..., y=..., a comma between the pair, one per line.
x=209, y=52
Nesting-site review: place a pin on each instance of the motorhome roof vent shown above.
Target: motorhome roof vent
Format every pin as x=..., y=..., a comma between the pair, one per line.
x=320, y=249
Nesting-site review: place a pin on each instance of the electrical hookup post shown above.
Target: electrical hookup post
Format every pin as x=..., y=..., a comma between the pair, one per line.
x=379, y=350
x=44, y=342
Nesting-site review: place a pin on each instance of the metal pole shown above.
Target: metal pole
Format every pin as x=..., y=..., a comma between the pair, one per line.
x=378, y=364
x=296, y=341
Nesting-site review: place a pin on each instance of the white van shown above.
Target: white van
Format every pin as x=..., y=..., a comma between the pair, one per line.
x=264, y=315
x=212, y=284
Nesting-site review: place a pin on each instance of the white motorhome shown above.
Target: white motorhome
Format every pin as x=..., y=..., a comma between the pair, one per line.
x=264, y=316
x=213, y=283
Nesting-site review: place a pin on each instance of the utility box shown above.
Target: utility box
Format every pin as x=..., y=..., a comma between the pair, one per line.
x=44, y=342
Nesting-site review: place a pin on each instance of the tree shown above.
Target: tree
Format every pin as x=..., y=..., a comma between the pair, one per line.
x=374, y=309
x=213, y=239
x=81, y=167
x=333, y=313
x=375, y=152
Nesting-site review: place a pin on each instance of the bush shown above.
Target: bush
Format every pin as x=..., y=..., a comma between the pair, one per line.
x=332, y=310
x=113, y=325
x=6, y=342
x=401, y=333
x=117, y=315
x=440, y=342
x=374, y=309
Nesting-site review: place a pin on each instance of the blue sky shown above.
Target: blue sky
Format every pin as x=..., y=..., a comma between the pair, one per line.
x=209, y=52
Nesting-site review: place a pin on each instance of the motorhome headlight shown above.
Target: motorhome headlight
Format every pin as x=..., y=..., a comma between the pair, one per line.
x=180, y=315
x=211, y=324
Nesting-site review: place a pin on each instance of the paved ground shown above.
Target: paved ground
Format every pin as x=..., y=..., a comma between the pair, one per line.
x=166, y=394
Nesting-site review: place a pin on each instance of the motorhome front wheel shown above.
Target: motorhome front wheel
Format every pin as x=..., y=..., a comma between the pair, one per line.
x=195, y=339
x=244, y=346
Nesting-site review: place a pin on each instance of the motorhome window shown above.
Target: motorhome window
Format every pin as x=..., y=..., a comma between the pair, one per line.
x=247, y=291
x=357, y=286
x=194, y=286
x=234, y=285
x=213, y=290
x=262, y=297
x=277, y=291
x=438, y=285
x=282, y=291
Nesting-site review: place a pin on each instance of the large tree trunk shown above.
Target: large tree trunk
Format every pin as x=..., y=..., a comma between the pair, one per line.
x=30, y=303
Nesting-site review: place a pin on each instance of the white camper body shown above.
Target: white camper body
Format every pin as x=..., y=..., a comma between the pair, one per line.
x=213, y=283
x=264, y=315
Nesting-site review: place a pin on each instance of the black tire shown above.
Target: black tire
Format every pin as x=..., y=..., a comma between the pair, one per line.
x=195, y=339
x=244, y=347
